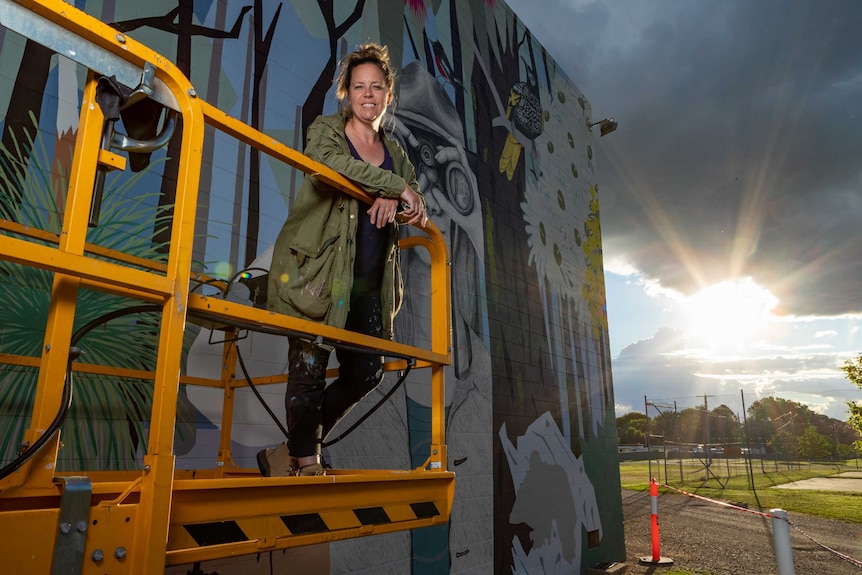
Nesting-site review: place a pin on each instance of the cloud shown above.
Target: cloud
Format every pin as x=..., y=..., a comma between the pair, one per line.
x=666, y=341
x=737, y=151
x=664, y=371
x=736, y=157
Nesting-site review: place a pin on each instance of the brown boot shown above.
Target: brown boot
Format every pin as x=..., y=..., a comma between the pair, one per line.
x=276, y=461
x=309, y=470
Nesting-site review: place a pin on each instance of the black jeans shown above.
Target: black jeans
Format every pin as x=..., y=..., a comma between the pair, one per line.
x=313, y=408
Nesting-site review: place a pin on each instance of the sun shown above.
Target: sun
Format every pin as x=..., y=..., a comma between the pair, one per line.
x=729, y=315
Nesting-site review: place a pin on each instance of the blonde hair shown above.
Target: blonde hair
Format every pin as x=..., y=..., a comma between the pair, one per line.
x=372, y=53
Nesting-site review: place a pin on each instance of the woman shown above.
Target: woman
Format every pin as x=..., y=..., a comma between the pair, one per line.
x=336, y=260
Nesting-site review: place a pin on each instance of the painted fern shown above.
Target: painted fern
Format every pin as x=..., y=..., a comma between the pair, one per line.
x=108, y=422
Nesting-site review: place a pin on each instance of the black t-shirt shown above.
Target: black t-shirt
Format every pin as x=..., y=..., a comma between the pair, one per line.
x=371, y=243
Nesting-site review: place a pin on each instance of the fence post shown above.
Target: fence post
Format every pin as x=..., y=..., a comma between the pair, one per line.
x=656, y=558
x=781, y=536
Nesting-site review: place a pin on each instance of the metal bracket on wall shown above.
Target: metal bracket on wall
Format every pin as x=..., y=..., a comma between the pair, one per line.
x=72, y=524
x=83, y=51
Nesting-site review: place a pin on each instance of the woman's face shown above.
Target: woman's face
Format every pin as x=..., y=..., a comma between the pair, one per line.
x=368, y=95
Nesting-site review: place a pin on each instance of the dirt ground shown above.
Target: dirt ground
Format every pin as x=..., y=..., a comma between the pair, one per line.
x=698, y=535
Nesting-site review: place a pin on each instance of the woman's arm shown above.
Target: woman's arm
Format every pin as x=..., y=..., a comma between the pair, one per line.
x=325, y=144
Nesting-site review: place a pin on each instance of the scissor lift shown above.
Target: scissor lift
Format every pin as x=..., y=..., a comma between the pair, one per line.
x=98, y=522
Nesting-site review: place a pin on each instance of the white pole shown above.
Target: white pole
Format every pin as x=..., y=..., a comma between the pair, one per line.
x=781, y=536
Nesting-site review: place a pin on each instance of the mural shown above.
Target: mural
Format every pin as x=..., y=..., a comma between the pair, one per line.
x=498, y=134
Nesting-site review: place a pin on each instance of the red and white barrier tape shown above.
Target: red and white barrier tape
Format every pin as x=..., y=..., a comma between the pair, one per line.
x=846, y=558
x=722, y=503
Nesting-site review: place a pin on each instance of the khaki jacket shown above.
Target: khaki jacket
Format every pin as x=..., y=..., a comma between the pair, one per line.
x=312, y=262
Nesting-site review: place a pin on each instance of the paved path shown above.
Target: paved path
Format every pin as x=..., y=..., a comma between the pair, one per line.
x=847, y=481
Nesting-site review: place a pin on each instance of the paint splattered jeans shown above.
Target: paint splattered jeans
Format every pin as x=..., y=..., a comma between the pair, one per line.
x=312, y=407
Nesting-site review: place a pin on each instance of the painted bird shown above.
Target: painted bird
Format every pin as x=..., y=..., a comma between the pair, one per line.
x=524, y=111
x=441, y=61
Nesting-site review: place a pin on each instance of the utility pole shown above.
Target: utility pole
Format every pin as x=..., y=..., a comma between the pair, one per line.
x=747, y=441
x=707, y=447
x=646, y=438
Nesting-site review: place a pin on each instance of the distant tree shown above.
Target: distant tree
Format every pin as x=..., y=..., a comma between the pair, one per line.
x=773, y=409
x=723, y=425
x=633, y=436
x=853, y=371
x=783, y=443
x=783, y=425
x=665, y=424
x=690, y=425
x=631, y=428
x=823, y=424
x=813, y=445
x=769, y=416
x=845, y=451
x=843, y=432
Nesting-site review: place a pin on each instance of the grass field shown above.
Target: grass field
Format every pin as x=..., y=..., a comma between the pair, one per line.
x=725, y=482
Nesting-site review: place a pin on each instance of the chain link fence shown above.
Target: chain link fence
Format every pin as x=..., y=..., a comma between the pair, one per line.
x=686, y=467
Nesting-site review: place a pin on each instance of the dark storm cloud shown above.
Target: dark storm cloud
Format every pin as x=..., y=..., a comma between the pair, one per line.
x=739, y=140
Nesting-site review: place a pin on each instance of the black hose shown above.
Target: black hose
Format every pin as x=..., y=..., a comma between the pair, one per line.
x=257, y=393
x=410, y=363
x=75, y=352
x=65, y=404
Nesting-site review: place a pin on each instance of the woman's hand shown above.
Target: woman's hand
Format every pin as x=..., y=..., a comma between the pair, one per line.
x=414, y=207
x=382, y=211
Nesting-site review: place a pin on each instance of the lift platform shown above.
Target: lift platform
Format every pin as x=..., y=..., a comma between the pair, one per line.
x=139, y=521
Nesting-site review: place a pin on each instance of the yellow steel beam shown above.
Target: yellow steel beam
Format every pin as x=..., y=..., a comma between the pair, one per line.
x=22, y=360
x=157, y=484
x=48, y=399
x=218, y=518
x=52, y=238
x=216, y=312
x=25, y=532
x=112, y=161
x=228, y=377
x=75, y=264
x=441, y=328
x=126, y=373
x=110, y=540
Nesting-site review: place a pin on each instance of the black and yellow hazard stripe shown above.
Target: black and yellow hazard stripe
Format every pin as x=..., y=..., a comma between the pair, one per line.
x=192, y=535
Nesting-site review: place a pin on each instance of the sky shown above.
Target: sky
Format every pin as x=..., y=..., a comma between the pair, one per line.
x=730, y=194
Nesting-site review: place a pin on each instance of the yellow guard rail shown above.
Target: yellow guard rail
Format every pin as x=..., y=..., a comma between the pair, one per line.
x=97, y=522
